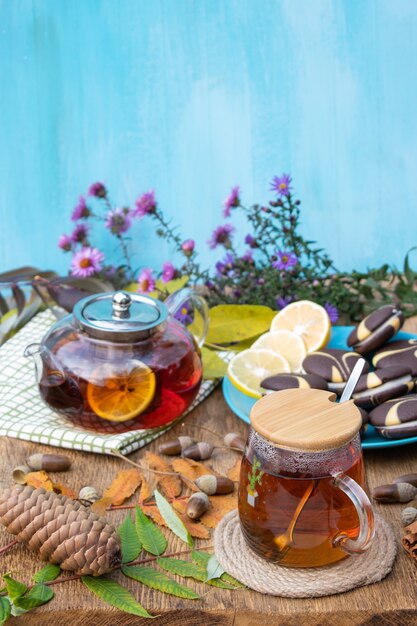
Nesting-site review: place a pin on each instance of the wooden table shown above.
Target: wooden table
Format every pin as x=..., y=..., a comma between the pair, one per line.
x=392, y=602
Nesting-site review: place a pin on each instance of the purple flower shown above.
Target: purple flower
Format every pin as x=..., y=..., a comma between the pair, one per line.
x=81, y=211
x=251, y=241
x=221, y=236
x=118, y=221
x=146, y=281
x=282, y=301
x=231, y=201
x=168, y=271
x=110, y=271
x=145, y=204
x=98, y=190
x=248, y=256
x=281, y=184
x=79, y=234
x=65, y=243
x=86, y=262
x=183, y=315
x=226, y=265
x=332, y=312
x=285, y=260
x=188, y=246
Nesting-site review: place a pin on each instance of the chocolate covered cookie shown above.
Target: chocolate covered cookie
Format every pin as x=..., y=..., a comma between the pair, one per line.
x=294, y=381
x=401, y=431
x=396, y=412
x=376, y=329
x=402, y=352
x=385, y=383
x=335, y=366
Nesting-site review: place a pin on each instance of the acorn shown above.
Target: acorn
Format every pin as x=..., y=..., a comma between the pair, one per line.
x=215, y=485
x=408, y=515
x=49, y=462
x=19, y=474
x=199, y=451
x=397, y=492
x=88, y=493
x=175, y=446
x=197, y=505
x=406, y=478
x=233, y=440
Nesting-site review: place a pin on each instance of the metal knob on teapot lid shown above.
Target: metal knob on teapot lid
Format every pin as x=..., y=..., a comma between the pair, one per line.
x=119, y=316
x=305, y=419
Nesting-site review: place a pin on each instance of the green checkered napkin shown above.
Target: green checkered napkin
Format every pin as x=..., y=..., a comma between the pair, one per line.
x=24, y=415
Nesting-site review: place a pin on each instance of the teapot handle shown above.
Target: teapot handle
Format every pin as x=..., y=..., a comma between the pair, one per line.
x=178, y=306
x=364, y=510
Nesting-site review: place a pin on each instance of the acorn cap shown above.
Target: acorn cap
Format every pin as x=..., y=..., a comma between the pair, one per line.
x=305, y=419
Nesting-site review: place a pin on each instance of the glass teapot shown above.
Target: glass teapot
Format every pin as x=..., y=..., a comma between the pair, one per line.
x=123, y=361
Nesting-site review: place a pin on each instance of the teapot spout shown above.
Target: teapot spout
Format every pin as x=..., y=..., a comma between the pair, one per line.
x=46, y=363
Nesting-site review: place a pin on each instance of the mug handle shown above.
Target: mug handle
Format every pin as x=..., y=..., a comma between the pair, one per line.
x=364, y=510
x=176, y=301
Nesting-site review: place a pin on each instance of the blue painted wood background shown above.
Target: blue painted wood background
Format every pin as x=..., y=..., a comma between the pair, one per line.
x=193, y=96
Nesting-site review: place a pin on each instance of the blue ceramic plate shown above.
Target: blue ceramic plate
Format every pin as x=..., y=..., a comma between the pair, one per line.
x=242, y=404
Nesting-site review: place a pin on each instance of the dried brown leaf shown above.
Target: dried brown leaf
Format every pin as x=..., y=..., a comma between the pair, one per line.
x=195, y=529
x=219, y=506
x=39, y=479
x=234, y=472
x=170, y=486
x=191, y=470
x=122, y=487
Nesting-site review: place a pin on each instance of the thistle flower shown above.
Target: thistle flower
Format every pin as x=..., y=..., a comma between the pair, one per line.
x=81, y=211
x=145, y=204
x=188, y=246
x=79, y=234
x=168, y=271
x=285, y=260
x=98, y=190
x=118, y=221
x=221, y=236
x=231, y=201
x=281, y=184
x=86, y=262
x=65, y=242
x=332, y=312
x=146, y=281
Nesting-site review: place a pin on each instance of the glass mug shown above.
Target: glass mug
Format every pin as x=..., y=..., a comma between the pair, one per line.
x=304, y=508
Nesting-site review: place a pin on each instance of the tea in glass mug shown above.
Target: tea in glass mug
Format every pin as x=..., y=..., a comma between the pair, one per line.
x=302, y=501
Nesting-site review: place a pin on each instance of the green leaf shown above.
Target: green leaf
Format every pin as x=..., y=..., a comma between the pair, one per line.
x=115, y=595
x=131, y=545
x=213, y=365
x=5, y=609
x=47, y=573
x=159, y=581
x=149, y=534
x=202, y=558
x=38, y=595
x=214, y=569
x=183, y=568
x=237, y=322
x=172, y=519
x=176, y=284
x=15, y=589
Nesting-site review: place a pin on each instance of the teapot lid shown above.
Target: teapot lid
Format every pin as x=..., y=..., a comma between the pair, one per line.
x=305, y=419
x=119, y=316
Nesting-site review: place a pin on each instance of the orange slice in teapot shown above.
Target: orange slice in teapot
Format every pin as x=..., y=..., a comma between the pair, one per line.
x=120, y=395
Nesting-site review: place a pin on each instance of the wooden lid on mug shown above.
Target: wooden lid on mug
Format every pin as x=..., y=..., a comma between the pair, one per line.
x=305, y=419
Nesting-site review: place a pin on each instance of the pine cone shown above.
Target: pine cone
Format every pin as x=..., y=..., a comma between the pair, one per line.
x=60, y=530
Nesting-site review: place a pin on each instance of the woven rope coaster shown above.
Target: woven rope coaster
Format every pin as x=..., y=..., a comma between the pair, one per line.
x=240, y=561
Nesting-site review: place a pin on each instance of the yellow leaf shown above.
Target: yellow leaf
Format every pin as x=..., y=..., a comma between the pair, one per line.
x=213, y=365
x=231, y=323
x=122, y=487
x=39, y=479
x=171, y=486
x=190, y=470
x=66, y=491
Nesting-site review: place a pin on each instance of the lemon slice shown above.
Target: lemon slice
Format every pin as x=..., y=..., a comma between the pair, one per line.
x=248, y=369
x=287, y=344
x=121, y=395
x=306, y=319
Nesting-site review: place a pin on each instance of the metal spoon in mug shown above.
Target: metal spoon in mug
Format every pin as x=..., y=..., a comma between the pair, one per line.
x=284, y=541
